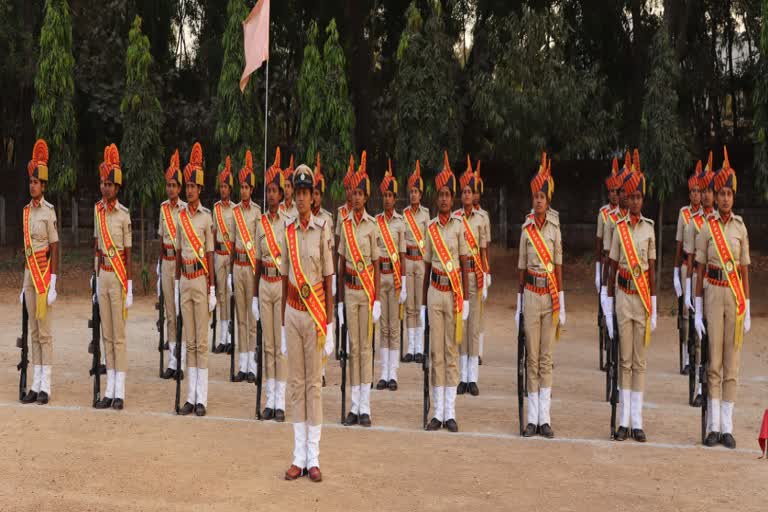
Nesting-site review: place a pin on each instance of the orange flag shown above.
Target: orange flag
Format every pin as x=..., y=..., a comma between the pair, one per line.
x=256, y=40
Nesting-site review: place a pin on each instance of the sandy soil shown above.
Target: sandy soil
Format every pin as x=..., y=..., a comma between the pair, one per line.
x=68, y=456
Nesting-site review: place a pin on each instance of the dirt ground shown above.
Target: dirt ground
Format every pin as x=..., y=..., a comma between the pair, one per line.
x=68, y=456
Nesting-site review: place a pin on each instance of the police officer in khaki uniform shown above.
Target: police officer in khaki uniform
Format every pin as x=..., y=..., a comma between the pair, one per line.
x=394, y=288
x=446, y=293
x=342, y=213
x=540, y=264
x=114, y=284
x=722, y=252
x=475, y=233
x=612, y=186
x=415, y=218
x=479, y=190
x=288, y=207
x=167, y=229
x=41, y=241
x=359, y=292
x=692, y=232
x=619, y=212
x=633, y=258
x=245, y=272
x=194, y=277
x=223, y=236
x=270, y=232
x=318, y=190
x=306, y=268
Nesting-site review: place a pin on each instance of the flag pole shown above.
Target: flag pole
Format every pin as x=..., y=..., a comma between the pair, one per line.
x=266, y=116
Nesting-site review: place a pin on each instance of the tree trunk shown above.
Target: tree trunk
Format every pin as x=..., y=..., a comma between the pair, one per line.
x=659, y=239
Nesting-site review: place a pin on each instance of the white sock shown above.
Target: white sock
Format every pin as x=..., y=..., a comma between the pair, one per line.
x=355, y=400
x=45, y=378
x=120, y=385
x=191, y=385
x=450, y=403
x=300, y=445
x=726, y=417
x=411, y=340
x=463, y=367
x=533, y=408
x=280, y=395
x=545, y=401
x=473, y=368
x=626, y=398
x=270, y=393
x=37, y=378
x=394, y=364
x=365, y=398
x=243, y=359
x=223, y=329
x=714, y=415
x=110, y=392
x=202, y=387
x=313, y=446
x=637, y=409
x=438, y=400
x=384, y=364
x=172, y=355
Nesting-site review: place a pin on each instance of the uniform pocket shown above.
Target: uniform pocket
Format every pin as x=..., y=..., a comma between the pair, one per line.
x=314, y=260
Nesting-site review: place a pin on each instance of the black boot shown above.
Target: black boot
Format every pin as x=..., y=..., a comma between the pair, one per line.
x=279, y=415
x=462, y=388
x=408, y=358
x=530, y=430
x=392, y=385
x=251, y=378
x=728, y=441
x=698, y=401
x=473, y=389
x=434, y=425
x=169, y=373
x=180, y=374
x=30, y=397
x=451, y=425
x=268, y=414
x=188, y=408
x=712, y=439
x=418, y=358
x=118, y=404
x=638, y=435
x=621, y=434
x=365, y=420
x=382, y=384
x=42, y=398
x=545, y=430
x=239, y=377
x=200, y=410
x=104, y=403
x=351, y=419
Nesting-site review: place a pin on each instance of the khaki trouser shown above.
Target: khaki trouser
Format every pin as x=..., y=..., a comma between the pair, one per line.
x=631, y=316
x=196, y=318
x=168, y=270
x=222, y=264
x=305, y=368
x=246, y=323
x=414, y=276
x=470, y=344
x=724, y=357
x=111, y=305
x=41, y=340
x=389, y=323
x=360, y=347
x=540, y=334
x=443, y=349
x=270, y=310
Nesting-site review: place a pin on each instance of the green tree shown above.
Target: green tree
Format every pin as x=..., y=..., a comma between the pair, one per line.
x=239, y=115
x=141, y=147
x=760, y=101
x=428, y=113
x=665, y=153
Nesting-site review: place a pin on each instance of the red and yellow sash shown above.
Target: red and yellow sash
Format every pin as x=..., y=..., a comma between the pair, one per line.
x=361, y=269
x=307, y=292
x=686, y=213
x=344, y=212
x=698, y=222
x=638, y=276
x=734, y=279
x=474, y=248
x=118, y=266
x=193, y=239
x=604, y=212
x=40, y=278
x=269, y=234
x=223, y=227
x=414, y=227
x=545, y=256
x=386, y=234
x=169, y=224
x=453, y=273
x=245, y=235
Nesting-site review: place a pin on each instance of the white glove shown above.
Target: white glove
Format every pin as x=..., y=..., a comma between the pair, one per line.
x=329, y=339
x=176, y=295
x=376, y=311
x=465, y=310
x=211, y=298
x=129, y=295
x=485, y=288
x=747, y=319
x=230, y=287
x=688, y=294
x=157, y=270
x=283, y=344
x=423, y=316
x=517, y=312
x=52, y=290
x=159, y=284
x=597, y=276
x=403, y=291
x=255, y=308
x=95, y=286
x=608, y=314
x=21, y=296
x=488, y=277
x=333, y=285
x=653, y=313
x=678, y=288
x=698, y=318
x=340, y=309
x=603, y=296
x=562, y=309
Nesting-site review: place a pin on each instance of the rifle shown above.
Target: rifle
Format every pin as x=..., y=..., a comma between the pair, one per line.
x=160, y=307
x=680, y=331
x=522, y=368
x=95, y=325
x=344, y=357
x=259, y=350
x=373, y=349
x=425, y=369
x=213, y=326
x=337, y=350
x=691, y=357
x=232, y=317
x=179, y=369
x=401, y=332
x=613, y=374
x=704, y=381
x=23, y=343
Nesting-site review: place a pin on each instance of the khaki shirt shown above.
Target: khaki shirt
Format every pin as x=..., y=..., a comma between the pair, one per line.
x=201, y=221
x=645, y=244
x=314, y=251
x=487, y=222
x=42, y=225
x=453, y=236
x=327, y=218
x=735, y=234
x=278, y=224
x=397, y=229
x=600, y=222
x=477, y=222
x=119, y=226
x=162, y=227
x=341, y=217
x=252, y=216
x=681, y=225
x=367, y=234
x=422, y=220
x=610, y=229
x=528, y=258
x=690, y=233
x=291, y=212
x=229, y=222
